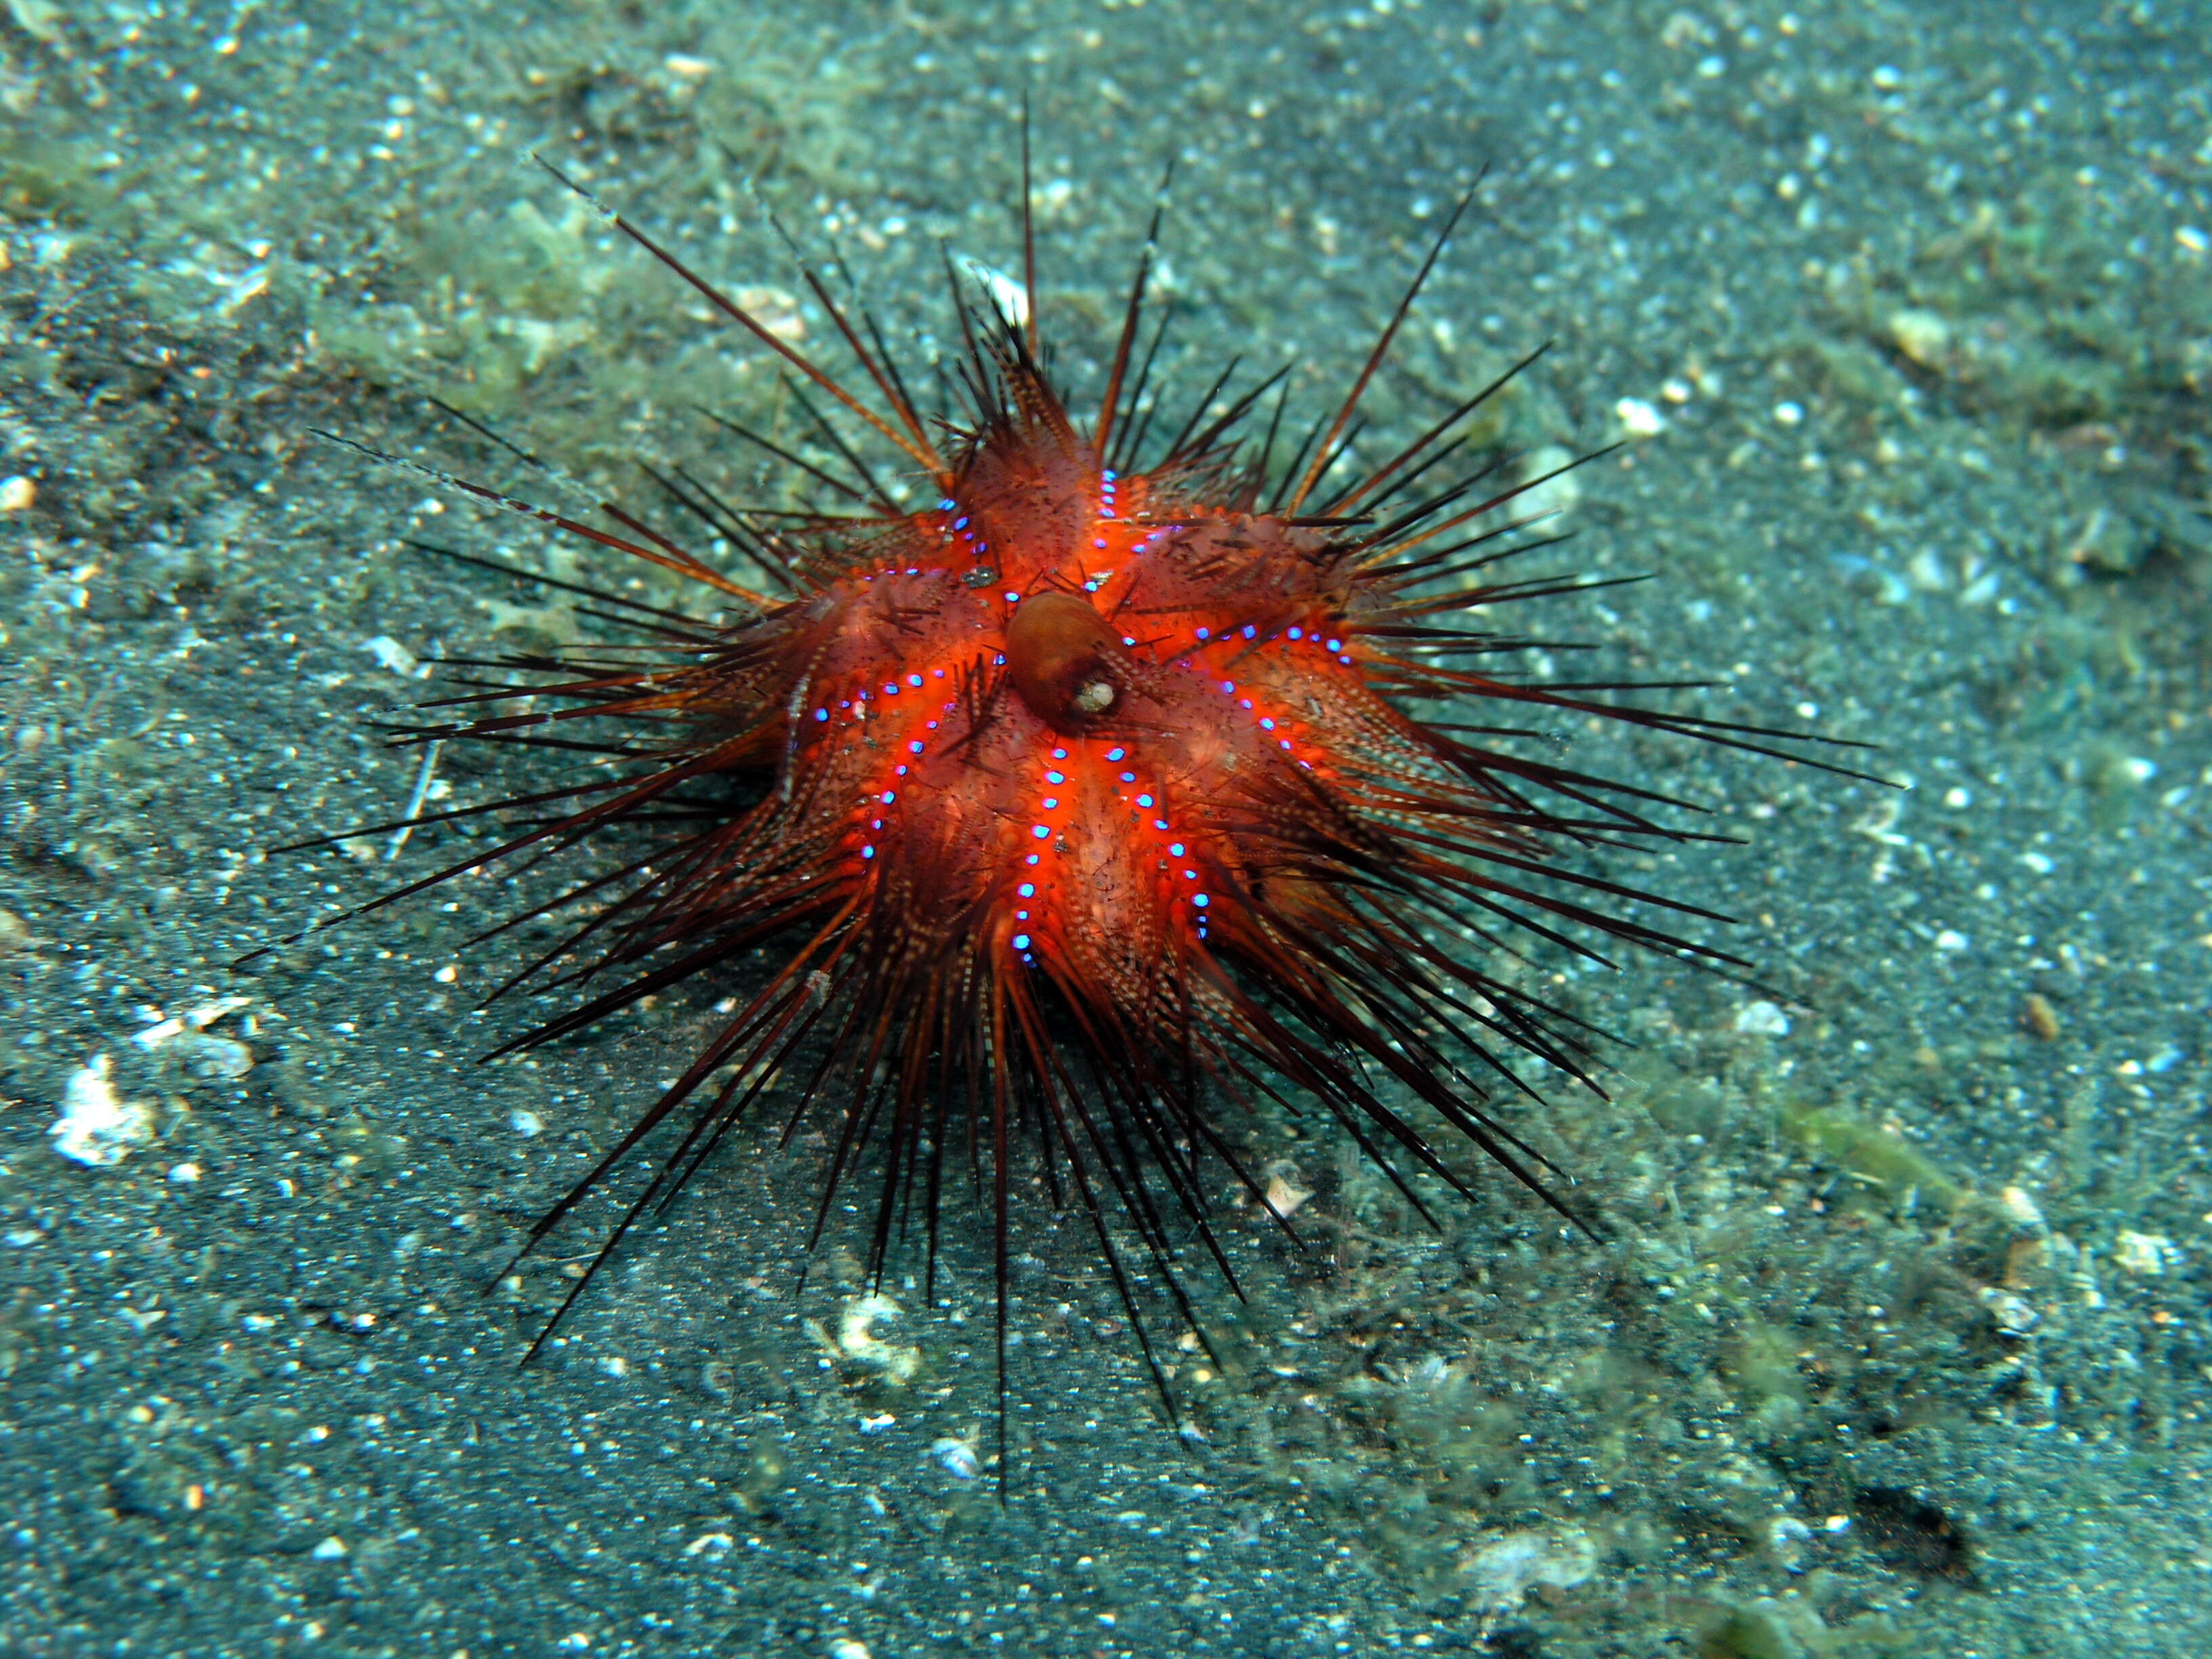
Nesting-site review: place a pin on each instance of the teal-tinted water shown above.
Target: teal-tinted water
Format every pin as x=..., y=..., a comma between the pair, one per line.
x=1898, y=1341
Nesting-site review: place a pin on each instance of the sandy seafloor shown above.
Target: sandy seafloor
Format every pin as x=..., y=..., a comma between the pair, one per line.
x=1899, y=1344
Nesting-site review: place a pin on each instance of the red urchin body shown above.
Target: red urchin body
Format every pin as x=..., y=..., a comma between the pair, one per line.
x=1086, y=807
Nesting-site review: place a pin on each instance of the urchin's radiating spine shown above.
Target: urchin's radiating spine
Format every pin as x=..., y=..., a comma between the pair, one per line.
x=1085, y=802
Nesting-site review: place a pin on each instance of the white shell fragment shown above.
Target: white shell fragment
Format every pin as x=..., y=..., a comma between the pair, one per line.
x=1923, y=335
x=97, y=1126
x=1501, y=1573
x=392, y=657
x=187, y=1038
x=2145, y=1254
x=1011, y=298
x=2022, y=1209
x=956, y=1457
x=198, y=1020
x=857, y=1340
x=1285, y=1199
x=216, y=1057
x=774, y=309
x=2012, y=1313
x=1639, y=417
x=1762, y=1019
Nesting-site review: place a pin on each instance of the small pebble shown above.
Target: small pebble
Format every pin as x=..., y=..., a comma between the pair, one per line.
x=958, y=1458
x=2011, y=1313
x=214, y=1057
x=1639, y=418
x=97, y=1126
x=2145, y=1254
x=2021, y=1206
x=391, y=656
x=775, y=310
x=1921, y=336
x=1762, y=1019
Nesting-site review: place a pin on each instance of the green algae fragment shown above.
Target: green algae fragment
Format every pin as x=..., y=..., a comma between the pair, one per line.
x=1790, y=1627
x=1755, y=1632
x=1872, y=1154
x=1762, y=1358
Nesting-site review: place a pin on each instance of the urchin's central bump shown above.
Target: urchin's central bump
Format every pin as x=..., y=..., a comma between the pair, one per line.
x=1063, y=657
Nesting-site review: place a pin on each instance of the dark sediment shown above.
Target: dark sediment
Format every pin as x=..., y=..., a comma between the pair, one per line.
x=1900, y=1342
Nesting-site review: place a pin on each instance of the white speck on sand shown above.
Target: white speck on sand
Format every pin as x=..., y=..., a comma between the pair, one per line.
x=1504, y=1569
x=97, y=1126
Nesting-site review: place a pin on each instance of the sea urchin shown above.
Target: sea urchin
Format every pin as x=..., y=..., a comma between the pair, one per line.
x=1087, y=807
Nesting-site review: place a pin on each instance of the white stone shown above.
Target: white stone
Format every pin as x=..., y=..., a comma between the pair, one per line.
x=2146, y=1254
x=1011, y=298
x=857, y=1340
x=1501, y=1573
x=392, y=656
x=2022, y=1208
x=958, y=1457
x=2012, y=1313
x=1639, y=418
x=97, y=1126
x=1923, y=335
x=1762, y=1019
